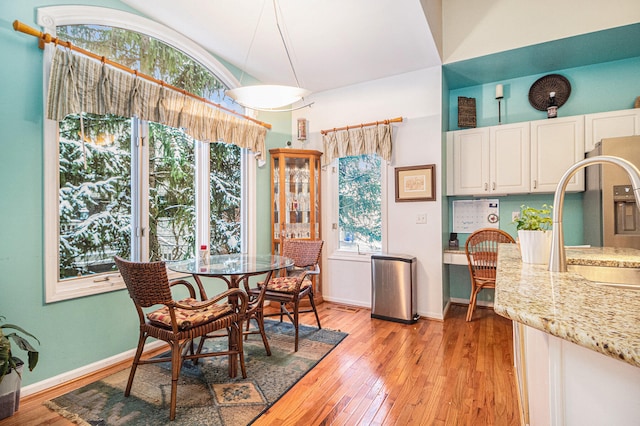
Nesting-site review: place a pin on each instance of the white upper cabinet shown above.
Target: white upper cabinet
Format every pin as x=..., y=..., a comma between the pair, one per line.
x=610, y=124
x=488, y=161
x=556, y=144
x=509, y=155
x=468, y=154
x=529, y=157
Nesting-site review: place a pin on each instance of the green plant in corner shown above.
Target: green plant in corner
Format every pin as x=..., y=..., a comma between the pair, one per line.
x=532, y=219
x=9, y=362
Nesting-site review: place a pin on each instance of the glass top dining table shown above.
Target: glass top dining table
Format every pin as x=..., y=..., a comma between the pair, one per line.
x=232, y=268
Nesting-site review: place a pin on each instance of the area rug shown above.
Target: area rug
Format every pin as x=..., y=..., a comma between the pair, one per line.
x=206, y=394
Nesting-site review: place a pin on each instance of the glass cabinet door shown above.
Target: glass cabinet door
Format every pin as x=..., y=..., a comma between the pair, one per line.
x=295, y=195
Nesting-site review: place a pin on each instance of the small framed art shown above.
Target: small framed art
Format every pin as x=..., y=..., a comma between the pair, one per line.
x=416, y=183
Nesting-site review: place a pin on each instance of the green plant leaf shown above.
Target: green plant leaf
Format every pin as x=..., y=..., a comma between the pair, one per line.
x=21, y=330
x=7, y=359
x=533, y=219
x=33, y=360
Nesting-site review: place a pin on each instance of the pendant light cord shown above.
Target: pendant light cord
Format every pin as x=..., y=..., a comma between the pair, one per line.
x=286, y=49
x=253, y=38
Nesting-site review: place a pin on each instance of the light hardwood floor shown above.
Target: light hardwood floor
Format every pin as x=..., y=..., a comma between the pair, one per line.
x=384, y=373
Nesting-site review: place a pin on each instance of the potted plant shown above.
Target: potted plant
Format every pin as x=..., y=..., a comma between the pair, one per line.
x=11, y=366
x=534, y=233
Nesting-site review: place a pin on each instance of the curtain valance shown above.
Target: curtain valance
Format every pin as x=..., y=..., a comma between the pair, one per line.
x=358, y=141
x=81, y=84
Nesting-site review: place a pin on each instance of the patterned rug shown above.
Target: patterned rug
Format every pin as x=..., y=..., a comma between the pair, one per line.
x=206, y=394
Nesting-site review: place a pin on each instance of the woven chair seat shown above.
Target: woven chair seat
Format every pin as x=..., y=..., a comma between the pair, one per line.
x=166, y=334
x=287, y=284
x=484, y=274
x=186, y=318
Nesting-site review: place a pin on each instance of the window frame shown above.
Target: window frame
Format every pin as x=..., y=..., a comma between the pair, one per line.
x=55, y=289
x=336, y=252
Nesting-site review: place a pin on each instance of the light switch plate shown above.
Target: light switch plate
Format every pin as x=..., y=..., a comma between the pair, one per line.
x=421, y=218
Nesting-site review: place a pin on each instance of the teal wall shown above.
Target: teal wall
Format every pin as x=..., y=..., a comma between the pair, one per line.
x=595, y=88
x=446, y=296
x=277, y=137
x=573, y=222
x=77, y=332
x=72, y=333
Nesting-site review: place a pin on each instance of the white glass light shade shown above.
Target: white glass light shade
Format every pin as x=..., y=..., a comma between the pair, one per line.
x=267, y=96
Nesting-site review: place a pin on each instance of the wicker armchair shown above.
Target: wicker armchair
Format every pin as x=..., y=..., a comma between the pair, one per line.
x=482, y=256
x=295, y=284
x=179, y=322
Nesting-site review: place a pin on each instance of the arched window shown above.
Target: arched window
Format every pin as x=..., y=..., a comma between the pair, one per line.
x=121, y=185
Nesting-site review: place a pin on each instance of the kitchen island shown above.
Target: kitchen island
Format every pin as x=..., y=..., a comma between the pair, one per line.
x=576, y=343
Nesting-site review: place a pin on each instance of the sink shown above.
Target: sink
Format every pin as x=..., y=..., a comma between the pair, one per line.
x=613, y=276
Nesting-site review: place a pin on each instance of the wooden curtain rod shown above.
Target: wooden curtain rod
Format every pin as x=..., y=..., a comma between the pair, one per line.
x=374, y=123
x=44, y=38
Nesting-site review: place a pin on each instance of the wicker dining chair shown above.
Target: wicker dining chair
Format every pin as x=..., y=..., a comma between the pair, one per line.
x=255, y=311
x=295, y=283
x=482, y=257
x=179, y=322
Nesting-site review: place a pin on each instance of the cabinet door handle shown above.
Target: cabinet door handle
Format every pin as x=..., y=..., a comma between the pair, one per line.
x=493, y=186
x=535, y=184
x=486, y=186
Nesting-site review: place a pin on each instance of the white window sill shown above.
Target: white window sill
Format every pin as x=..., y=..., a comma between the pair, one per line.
x=347, y=256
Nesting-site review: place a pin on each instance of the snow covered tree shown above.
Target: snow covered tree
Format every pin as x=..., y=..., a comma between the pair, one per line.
x=95, y=166
x=226, y=193
x=360, y=217
x=95, y=192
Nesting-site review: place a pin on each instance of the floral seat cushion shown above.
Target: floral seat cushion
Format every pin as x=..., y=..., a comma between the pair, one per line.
x=286, y=284
x=188, y=318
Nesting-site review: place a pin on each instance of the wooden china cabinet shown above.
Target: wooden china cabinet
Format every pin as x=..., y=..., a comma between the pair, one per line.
x=295, y=200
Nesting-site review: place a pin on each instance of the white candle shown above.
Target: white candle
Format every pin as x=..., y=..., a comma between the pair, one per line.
x=499, y=93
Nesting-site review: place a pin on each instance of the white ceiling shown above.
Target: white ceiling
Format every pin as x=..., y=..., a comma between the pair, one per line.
x=333, y=43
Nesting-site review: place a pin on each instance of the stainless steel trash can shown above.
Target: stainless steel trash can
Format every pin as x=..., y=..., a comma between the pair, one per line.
x=393, y=288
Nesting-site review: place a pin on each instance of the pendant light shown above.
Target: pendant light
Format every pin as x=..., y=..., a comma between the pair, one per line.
x=270, y=97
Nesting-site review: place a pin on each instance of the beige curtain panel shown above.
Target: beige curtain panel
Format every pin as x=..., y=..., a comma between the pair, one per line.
x=81, y=84
x=358, y=141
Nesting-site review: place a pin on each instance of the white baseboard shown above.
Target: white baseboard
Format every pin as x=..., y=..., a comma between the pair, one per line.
x=429, y=315
x=83, y=371
x=466, y=302
x=347, y=302
x=445, y=311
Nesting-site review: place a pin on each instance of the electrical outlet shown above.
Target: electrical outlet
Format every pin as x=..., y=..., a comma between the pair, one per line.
x=515, y=216
x=421, y=218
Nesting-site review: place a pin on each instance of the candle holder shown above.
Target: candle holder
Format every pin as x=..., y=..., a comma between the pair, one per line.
x=499, y=97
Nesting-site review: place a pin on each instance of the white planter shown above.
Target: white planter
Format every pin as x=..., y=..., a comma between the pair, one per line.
x=10, y=393
x=535, y=246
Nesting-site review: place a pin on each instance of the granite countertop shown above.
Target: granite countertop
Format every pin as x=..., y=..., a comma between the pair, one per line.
x=604, y=256
x=566, y=305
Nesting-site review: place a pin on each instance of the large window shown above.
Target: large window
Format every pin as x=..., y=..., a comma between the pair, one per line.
x=360, y=204
x=141, y=190
x=94, y=193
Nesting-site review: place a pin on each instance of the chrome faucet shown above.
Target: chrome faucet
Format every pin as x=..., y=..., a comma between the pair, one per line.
x=557, y=257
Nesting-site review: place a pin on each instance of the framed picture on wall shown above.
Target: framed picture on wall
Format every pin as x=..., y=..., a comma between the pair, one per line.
x=416, y=183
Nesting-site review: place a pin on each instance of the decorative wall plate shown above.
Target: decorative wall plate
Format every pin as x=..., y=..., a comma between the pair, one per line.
x=539, y=91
